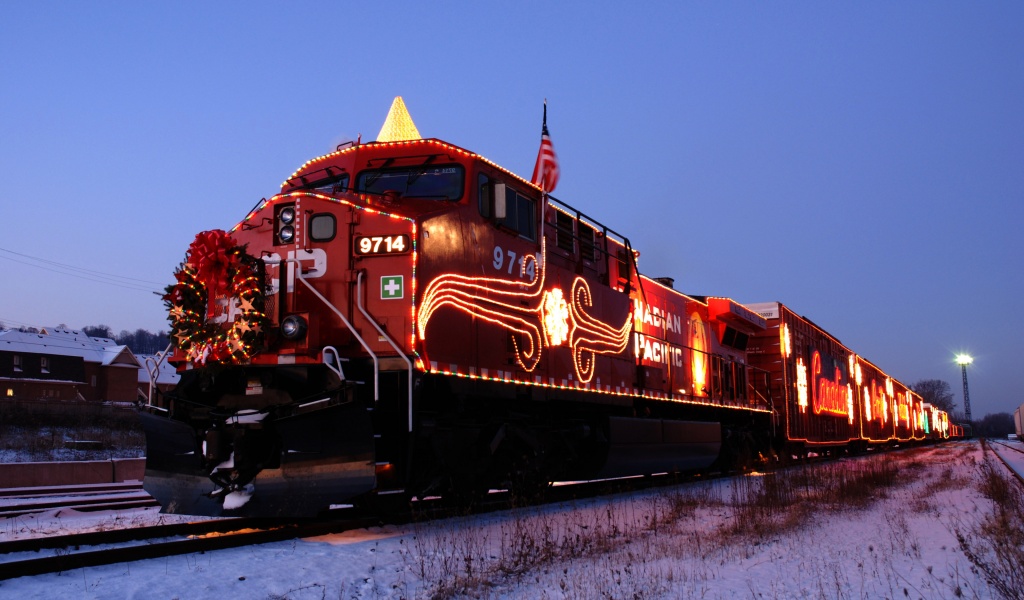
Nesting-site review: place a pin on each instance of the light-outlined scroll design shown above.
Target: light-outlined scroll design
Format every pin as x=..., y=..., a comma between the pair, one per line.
x=543, y=318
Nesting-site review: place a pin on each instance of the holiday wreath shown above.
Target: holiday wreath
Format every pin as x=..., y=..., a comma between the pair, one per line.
x=216, y=266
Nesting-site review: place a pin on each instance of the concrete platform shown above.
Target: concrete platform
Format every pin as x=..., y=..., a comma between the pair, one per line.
x=38, y=474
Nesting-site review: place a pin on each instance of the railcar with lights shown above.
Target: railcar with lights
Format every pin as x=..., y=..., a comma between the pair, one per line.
x=406, y=318
x=828, y=398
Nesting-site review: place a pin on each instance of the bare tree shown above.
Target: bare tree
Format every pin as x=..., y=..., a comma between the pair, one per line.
x=100, y=331
x=936, y=392
x=995, y=425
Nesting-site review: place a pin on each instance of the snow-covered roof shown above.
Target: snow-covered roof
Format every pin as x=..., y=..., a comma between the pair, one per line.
x=68, y=342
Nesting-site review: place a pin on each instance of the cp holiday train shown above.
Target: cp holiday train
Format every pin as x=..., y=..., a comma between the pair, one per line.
x=406, y=318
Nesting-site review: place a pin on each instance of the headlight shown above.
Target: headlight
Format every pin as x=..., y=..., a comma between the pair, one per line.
x=285, y=221
x=293, y=327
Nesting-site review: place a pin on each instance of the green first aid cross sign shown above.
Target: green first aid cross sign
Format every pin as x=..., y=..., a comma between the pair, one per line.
x=392, y=287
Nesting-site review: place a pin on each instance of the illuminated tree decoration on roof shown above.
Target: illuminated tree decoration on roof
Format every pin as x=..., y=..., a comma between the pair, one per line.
x=398, y=126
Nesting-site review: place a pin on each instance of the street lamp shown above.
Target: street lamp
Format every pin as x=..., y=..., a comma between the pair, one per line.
x=963, y=360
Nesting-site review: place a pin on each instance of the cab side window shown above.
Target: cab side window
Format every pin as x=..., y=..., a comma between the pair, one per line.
x=520, y=214
x=484, y=193
x=520, y=211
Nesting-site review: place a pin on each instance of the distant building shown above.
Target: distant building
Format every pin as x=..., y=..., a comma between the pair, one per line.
x=65, y=364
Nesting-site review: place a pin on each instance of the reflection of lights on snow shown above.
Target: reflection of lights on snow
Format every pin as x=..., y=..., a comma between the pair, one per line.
x=556, y=317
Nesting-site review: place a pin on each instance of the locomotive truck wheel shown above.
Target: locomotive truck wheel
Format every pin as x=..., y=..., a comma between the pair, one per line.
x=385, y=504
x=527, y=482
x=465, y=493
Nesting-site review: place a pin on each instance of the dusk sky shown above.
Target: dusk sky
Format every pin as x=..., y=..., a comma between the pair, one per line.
x=862, y=163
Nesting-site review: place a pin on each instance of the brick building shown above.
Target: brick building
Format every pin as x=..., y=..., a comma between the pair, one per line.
x=64, y=364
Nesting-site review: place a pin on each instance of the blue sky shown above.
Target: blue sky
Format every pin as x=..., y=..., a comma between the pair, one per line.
x=861, y=162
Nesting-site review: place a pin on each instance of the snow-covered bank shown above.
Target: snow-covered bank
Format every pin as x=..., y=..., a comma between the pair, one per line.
x=777, y=536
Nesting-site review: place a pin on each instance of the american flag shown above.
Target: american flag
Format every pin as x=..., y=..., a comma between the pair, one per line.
x=545, y=171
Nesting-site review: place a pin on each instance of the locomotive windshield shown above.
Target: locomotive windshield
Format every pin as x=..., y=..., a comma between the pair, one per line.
x=443, y=182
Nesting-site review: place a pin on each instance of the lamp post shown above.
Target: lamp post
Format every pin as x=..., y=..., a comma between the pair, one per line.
x=963, y=360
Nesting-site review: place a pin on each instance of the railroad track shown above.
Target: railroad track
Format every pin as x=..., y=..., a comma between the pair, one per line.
x=125, y=545
x=19, y=558
x=85, y=498
x=1004, y=446
x=80, y=550
x=66, y=490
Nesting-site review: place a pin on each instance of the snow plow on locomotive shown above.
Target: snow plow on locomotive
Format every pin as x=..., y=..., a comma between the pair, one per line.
x=406, y=317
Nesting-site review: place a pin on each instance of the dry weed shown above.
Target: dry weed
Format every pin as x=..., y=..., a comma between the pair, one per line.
x=995, y=543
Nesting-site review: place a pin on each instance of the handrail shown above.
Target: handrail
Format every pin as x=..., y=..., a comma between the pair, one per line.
x=332, y=351
x=359, y=338
x=383, y=334
x=153, y=370
x=607, y=234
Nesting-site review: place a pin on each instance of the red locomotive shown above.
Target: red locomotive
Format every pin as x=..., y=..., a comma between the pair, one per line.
x=407, y=317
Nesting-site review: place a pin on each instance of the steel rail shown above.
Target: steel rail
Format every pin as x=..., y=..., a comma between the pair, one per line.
x=194, y=543
x=1017, y=476
x=234, y=533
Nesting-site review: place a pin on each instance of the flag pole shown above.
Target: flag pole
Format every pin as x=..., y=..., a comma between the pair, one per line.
x=543, y=193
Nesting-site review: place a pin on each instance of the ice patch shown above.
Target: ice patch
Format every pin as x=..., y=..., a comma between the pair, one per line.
x=238, y=499
x=228, y=464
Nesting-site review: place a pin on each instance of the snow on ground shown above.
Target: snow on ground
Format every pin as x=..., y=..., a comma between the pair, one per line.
x=700, y=540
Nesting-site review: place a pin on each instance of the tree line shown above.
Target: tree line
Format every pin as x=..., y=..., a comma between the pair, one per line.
x=938, y=393
x=140, y=341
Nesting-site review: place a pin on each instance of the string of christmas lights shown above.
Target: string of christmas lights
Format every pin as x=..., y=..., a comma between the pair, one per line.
x=217, y=276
